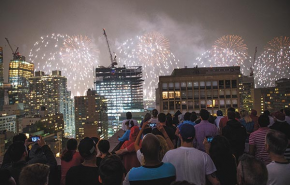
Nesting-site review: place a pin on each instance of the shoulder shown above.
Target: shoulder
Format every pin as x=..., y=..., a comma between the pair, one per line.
x=74, y=169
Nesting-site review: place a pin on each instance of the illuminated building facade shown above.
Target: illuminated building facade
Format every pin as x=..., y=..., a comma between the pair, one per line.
x=122, y=87
x=90, y=115
x=8, y=123
x=19, y=72
x=247, y=90
x=274, y=98
x=192, y=89
x=50, y=92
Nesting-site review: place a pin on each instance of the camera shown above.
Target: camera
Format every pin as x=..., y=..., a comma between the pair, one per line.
x=209, y=139
x=152, y=125
x=35, y=138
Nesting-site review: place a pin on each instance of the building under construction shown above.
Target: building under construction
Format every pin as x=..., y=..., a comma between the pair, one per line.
x=122, y=88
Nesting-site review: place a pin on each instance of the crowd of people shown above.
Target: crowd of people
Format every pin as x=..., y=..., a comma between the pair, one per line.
x=190, y=149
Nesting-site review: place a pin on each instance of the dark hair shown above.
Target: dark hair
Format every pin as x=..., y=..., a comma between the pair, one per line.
x=111, y=170
x=129, y=122
x=169, y=120
x=147, y=117
x=16, y=150
x=150, y=147
x=19, y=137
x=237, y=115
x=34, y=174
x=211, y=119
x=231, y=109
x=287, y=111
x=147, y=131
x=277, y=142
x=68, y=153
x=129, y=115
x=5, y=176
x=267, y=112
x=193, y=116
x=104, y=146
x=181, y=183
x=187, y=116
x=154, y=113
x=231, y=115
x=252, y=171
x=204, y=114
x=161, y=117
x=264, y=120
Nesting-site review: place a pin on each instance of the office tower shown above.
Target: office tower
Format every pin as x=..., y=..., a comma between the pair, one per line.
x=246, y=91
x=19, y=72
x=1, y=79
x=192, y=89
x=90, y=114
x=122, y=87
x=49, y=92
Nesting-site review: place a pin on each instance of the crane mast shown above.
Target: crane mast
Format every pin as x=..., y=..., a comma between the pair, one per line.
x=113, y=61
x=251, y=68
x=14, y=53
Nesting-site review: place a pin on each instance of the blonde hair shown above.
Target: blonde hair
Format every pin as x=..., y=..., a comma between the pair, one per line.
x=246, y=116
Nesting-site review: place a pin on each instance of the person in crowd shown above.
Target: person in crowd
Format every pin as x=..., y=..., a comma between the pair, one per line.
x=187, y=120
x=18, y=154
x=257, y=140
x=237, y=115
x=111, y=171
x=128, y=118
x=104, y=147
x=180, y=118
x=247, y=122
x=220, y=152
x=272, y=121
x=279, y=168
x=87, y=173
x=154, y=172
x=193, y=117
x=287, y=115
x=191, y=164
x=251, y=171
x=255, y=118
x=34, y=174
x=181, y=183
x=154, y=118
x=175, y=117
x=224, y=120
x=236, y=133
x=211, y=119
x=6, y=178
x=146, y=118
x=162, y=122
x=203, y=129
x=7, y=161
x=169, y=121
x=36, y=155
x=219, y=114
x=282, y=126
x=128, y=152
x=125, y=137
x=69, y=158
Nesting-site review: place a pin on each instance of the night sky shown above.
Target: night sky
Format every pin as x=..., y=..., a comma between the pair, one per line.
x=191, y=26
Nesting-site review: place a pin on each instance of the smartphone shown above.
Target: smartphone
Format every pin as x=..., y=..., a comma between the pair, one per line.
x=152, y=125
x=35, y=138
x=209, y=139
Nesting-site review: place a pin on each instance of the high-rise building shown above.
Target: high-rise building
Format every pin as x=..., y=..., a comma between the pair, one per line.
x=246, y=91
x=90, y=115
x=49, y=92
x=8, y=123
x=192, y=89
x=19, y=72
x=1, y=79
x=273, y=98
x=122, y=87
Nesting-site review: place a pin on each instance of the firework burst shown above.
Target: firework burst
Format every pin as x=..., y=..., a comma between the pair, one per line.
x=74, y=56
x=277, y=43
x=151, y=51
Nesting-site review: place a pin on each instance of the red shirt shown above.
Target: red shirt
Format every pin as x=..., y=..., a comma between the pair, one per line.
x=65, y=166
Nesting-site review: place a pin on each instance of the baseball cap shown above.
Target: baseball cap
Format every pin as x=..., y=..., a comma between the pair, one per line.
x=219, y=113
x=187, y=131
x=87, y=147
x=280, y=117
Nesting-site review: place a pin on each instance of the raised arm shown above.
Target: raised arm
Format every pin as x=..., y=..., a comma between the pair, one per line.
x=137, y=141
x=166, y=137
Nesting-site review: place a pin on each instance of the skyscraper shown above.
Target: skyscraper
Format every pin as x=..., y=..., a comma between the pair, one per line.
x=1, y=80
x=90, y=112
x=122, y=87
x=50, y=91
x=19, y=72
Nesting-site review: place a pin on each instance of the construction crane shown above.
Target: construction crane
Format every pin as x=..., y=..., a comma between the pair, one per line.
x=14, y=53
x=251, y=68
x=113, y=60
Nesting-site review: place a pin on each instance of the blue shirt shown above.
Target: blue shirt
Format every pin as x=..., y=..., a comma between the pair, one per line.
x=186, y=122
x=125, y=136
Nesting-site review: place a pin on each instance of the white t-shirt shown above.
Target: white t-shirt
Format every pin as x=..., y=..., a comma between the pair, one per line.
x=217, y=121
x=191, y=164
x=124, y=126
x=278, y=173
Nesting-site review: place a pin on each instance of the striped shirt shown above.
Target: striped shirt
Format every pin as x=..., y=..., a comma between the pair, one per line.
x=257, y=138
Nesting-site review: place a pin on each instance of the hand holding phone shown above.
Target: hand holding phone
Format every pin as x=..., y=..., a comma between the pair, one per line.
x=209, y=139
x=35, y=138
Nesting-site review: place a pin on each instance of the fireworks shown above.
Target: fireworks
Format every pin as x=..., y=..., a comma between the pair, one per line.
x=228, y=50
x=151, y=51
x=74, y=56
x=274, y=63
